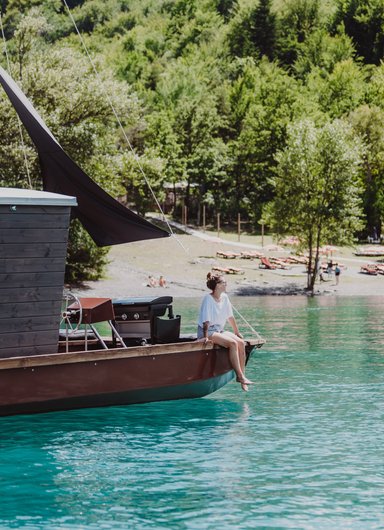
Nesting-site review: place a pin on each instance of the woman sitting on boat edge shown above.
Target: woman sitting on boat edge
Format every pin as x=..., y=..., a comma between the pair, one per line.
x=215, y=311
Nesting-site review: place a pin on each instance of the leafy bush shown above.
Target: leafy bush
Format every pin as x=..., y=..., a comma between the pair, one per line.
x=85, y=261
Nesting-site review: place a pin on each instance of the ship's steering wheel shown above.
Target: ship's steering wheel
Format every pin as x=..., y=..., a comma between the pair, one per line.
x=71, y=313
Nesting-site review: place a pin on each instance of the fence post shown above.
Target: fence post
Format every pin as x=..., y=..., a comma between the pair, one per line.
x=262, y=235
x=204, y=217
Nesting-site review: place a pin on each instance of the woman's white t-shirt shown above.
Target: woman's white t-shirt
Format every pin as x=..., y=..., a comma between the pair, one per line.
x=216, y=313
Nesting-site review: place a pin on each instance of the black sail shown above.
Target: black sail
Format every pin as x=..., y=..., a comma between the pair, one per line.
x=107, y=221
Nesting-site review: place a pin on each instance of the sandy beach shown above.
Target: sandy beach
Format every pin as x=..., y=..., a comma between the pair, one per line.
x=184, y=260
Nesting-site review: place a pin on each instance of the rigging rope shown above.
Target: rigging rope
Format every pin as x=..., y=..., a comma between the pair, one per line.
x=24, y=149
x=131, y=148
x=121, y=125
x=246, y=322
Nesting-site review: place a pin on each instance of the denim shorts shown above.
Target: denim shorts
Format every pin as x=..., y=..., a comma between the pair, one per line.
x=215, y=328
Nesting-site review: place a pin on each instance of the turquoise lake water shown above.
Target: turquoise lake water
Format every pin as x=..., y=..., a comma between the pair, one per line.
x=304, y=449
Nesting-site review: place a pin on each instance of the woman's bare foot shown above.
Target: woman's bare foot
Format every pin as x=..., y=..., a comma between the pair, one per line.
x=244, y=387
x=245, y=381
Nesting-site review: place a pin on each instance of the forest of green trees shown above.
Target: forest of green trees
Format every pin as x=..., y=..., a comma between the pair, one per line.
x=273, y=109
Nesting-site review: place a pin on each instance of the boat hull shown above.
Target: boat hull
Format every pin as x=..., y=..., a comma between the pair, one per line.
x=111, y=377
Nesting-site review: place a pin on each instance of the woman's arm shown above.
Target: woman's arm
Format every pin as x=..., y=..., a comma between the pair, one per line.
x=205, y=330
x=233, y=323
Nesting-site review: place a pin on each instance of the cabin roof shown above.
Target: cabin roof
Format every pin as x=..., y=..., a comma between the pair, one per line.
x=13, y=196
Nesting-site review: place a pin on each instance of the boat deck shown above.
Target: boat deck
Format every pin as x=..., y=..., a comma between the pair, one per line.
x=113, y=353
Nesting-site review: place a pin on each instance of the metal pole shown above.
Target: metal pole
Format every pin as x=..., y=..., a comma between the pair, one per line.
x=238, y=227
x=218, y=225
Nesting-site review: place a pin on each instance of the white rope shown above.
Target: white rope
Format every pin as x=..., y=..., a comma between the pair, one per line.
x=246, y=322
x=18, y=119
x=121, y=125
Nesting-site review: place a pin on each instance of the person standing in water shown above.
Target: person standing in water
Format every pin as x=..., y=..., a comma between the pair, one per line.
x=215, y=312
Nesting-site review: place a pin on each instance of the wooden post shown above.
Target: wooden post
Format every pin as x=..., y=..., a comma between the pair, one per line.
x=185, y=216
x=238, y=227
x=218, y=225
x=204, y=217
x=262, y=235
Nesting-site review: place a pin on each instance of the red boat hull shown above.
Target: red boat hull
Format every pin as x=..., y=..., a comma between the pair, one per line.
x=111, y=377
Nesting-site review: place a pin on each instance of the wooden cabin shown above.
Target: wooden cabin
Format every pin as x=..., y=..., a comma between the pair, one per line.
x=33, y=247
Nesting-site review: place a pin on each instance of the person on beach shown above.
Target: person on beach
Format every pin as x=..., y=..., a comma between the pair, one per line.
x=319, y=271
x=215, y=311
x=337, y=273
x=152, y=282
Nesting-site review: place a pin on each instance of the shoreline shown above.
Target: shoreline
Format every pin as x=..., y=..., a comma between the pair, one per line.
x=185, y=260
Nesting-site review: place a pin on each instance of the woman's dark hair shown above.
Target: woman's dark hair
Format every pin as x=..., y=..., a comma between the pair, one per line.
x=213, y=280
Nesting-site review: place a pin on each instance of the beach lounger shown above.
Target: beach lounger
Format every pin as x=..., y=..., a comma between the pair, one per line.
x=280, y=263
x=234, y=270
x=251, y=255
x=223, y=270
x=228, y=270
x=369, y=269
x=227, y=254
x=266, y=264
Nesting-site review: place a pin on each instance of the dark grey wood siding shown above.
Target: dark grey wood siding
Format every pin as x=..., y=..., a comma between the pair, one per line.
x=33, y=247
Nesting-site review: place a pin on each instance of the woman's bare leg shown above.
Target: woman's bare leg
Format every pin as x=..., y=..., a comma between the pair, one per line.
x=240, y=348
x=230, y=342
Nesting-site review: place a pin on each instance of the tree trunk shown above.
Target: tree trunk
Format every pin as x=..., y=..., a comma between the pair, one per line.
x=314, y=272
x=187, y=194
x=315, y=268
x=309, y=273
